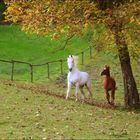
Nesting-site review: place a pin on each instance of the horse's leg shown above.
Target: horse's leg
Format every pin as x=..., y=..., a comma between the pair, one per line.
x=82, y=92
x=107, y=96
x=112, y=96
x=88, y=86
x=68, y=90
x=77, y=89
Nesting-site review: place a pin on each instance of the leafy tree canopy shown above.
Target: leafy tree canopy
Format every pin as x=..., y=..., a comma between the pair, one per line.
x=61, y=16
x=71, y=17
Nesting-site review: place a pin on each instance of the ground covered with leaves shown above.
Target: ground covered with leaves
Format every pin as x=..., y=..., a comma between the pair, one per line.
x=30, y=112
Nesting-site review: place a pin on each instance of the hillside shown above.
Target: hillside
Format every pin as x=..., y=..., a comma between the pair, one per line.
x=30, y=113
x=17, y=45
x=39, y=110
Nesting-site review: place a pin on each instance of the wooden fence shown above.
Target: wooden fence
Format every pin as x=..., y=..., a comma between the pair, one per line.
x=31, y=66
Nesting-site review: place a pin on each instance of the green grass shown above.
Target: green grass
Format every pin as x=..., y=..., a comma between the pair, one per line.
x=16, y=45
x=28, y=115
x=32, y=48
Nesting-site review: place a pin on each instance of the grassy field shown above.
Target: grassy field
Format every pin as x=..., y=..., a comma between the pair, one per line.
x=16, y=45
x=39, y=111
x=26, y=114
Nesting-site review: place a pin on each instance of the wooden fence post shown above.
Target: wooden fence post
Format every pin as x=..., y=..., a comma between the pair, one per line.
x=90, y=52
x=48, y=66
x=48, y=70
x=61, y=61
x=82, y=58
x=31, y=72
x=12, y=74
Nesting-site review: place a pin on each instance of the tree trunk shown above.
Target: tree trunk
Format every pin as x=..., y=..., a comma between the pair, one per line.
x=2, y=9
x=131, y=96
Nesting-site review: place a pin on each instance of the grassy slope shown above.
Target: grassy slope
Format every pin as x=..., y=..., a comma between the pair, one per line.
x=75, y=120
x=31, y=48
x=28, y=115
x=17, y=45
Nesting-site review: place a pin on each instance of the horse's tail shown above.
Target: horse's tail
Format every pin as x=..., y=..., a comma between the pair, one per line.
x=89, y=83
x=89, y=87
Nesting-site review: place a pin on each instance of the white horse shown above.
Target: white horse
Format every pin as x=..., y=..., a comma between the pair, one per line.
x=77, y=78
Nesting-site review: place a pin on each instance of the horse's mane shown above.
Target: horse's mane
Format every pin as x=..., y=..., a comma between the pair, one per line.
x=75, y=59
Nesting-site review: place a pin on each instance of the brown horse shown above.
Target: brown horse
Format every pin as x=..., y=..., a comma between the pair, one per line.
x=109, y=85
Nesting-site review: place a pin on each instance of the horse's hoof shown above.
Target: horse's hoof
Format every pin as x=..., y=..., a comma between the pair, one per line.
x=83, y=101
x=109, y=102
x=83, y=98
x=112, y=104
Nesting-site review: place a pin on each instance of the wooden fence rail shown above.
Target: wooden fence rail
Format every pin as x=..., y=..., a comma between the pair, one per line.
x=31, y=66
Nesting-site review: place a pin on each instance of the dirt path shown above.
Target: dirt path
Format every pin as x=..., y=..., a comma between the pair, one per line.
x=39, y=89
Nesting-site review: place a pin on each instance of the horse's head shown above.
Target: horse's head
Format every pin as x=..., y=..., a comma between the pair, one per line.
x=70, y=61
x=106, y=71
